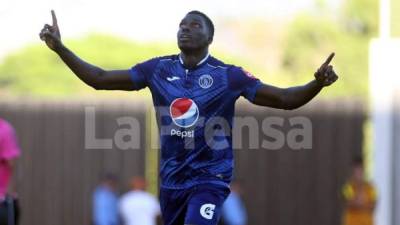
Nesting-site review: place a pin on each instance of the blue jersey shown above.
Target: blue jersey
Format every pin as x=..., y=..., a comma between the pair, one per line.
x=195, y=109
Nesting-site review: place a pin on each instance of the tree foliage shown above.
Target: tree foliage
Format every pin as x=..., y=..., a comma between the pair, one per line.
x=37, y=71
x=308, y=40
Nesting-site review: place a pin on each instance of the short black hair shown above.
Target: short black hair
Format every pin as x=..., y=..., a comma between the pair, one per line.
x=209, y=23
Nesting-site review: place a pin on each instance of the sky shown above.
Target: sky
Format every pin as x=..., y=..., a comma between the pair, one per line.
x=22, y=20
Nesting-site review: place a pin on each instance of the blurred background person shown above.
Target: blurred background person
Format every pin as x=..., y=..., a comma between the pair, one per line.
x=138, y=207
x=234, y=210
x=105, y=202
x=9, y=151
x=360, y=197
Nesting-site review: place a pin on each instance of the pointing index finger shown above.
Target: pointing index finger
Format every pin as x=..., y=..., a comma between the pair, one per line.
x=329, y=59
x=53, y=16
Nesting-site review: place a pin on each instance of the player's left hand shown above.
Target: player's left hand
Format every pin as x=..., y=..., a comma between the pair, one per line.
x=325, y=75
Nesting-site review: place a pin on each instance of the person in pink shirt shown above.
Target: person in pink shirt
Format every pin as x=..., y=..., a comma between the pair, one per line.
x=9, y=151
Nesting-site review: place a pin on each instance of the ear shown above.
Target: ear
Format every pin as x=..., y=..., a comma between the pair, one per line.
x=210, y=40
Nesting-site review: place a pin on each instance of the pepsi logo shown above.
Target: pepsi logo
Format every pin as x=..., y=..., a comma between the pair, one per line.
x=184, y=112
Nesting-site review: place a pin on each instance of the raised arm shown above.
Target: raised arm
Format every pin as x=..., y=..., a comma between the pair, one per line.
x=294, y=97
x=92, y=75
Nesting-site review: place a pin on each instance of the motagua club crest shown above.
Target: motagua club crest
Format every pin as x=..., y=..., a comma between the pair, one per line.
x=205, y=81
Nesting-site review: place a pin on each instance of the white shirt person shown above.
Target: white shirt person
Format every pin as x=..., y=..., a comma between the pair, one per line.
x=138, y=207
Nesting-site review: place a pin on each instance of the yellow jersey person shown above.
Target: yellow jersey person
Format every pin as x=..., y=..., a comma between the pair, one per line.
x=360, y=197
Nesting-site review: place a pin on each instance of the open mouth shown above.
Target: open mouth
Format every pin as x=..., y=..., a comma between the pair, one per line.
x=184, y=37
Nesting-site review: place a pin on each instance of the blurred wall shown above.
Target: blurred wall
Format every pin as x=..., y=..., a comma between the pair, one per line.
x=302, y=187
x=56, y=175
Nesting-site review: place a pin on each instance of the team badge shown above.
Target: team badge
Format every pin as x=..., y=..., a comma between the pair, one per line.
x=184, y=112
x=205, y=81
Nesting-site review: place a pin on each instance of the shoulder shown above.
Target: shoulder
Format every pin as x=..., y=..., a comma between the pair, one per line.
x=128, y=194
x=164, y=59
x=142, y=72
x=127, y=198
x=240, y=76
x=147, y=197
x=168, y=58
x=240, y=71
x=216, y=63
x=153, y=62
x=151, y=196
x=145, y=194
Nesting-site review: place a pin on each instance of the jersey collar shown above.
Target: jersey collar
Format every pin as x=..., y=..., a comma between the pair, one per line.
x=198, y=64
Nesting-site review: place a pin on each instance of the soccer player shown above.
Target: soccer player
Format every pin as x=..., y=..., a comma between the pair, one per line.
x=191, y=90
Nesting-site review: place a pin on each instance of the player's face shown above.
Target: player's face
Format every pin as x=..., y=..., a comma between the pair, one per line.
x=193, y=33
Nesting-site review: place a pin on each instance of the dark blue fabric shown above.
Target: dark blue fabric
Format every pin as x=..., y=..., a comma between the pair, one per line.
x=195, y=109
x=200, y=204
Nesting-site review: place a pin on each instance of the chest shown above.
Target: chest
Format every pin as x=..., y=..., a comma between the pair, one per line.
x=203, y=85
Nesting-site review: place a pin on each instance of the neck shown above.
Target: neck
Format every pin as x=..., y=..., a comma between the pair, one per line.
x=192, y=59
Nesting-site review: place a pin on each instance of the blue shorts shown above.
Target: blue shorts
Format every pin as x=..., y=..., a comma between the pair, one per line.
x=198, y=205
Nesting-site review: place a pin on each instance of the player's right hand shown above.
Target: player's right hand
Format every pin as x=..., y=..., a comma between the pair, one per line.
x=51, y=34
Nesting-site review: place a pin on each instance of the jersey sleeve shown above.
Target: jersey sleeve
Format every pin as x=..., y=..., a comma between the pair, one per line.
x=9, y=148
x=244, y=82
x=142, y=72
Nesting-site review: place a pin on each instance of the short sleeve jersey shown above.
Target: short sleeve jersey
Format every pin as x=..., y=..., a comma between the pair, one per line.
x=195, y=109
